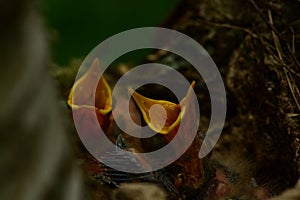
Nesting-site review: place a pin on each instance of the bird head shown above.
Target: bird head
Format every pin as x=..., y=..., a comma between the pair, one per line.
x=82, y=100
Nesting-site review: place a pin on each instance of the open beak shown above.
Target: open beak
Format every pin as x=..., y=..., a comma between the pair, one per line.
x=84, y=103
x=162, y=116
x=81, y=93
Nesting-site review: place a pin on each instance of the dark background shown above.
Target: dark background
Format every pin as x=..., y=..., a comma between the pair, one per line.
x=76, y=27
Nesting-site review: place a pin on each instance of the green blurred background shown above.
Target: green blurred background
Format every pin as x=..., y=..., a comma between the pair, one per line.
x=76, y=27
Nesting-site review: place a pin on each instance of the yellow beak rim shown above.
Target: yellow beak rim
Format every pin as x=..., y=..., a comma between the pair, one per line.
x=175, y=111
x=103, y=97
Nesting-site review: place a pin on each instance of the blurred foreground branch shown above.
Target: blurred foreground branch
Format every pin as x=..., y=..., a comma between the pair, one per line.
x=35, y=161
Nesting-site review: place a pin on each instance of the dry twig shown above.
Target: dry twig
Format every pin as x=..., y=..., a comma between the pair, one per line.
x=272, y=27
